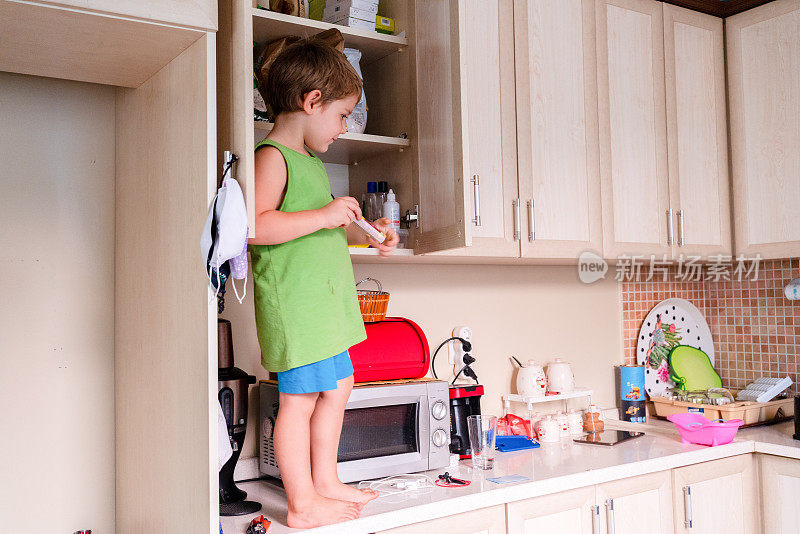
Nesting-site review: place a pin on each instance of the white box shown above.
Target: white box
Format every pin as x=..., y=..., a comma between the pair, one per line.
x=355, y=23
x=366, y=5
x=340, y=12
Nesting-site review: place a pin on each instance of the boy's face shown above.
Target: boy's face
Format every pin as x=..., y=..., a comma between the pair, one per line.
x=329, y=123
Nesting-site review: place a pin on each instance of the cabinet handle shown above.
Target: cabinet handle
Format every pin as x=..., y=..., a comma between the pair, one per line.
x=681, y=236
x=476, y=193
x=531, y=222
x=610, y=516
x=517, y=223
x=671, y=228
x=595, y=520
x=687, y=506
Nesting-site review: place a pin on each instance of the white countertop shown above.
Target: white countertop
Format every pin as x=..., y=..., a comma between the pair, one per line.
x=551, y=468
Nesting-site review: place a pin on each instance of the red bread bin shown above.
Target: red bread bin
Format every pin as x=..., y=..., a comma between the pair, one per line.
x=395, y=348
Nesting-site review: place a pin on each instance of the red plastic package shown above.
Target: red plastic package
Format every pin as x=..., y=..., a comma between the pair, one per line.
x=513, y=425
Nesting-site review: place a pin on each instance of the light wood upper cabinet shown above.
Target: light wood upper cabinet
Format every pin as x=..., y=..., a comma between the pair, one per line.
x=557, y=137
x=780, y=488
x=763, y=46
x=465, y=106
x=200, y=14
x=631, y=503
x=633, y=145
x=568, y=512
x=697, y=132
x=482, y=521
x=719, y=497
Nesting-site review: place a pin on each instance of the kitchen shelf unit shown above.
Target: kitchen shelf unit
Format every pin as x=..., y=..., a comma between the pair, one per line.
x=269, y=25
x=350, y=148
x=530, y=401
x=385, y=151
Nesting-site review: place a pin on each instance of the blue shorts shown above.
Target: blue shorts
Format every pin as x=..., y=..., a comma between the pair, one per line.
x=318, y=376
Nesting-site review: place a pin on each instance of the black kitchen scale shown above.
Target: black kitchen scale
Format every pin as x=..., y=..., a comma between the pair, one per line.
x=608, y=437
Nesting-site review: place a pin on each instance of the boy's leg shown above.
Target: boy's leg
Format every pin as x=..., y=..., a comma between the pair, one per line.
x=292, y=438
x=326, y=427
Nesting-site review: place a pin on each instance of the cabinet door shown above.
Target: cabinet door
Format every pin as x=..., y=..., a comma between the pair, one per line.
x=697, y=131
x=780, y=493
x=486, y=32
x=443, y=169
x=718, y=497
x=631, y=111
x=483, y=521
x=569, y=512
x=638, y=504
x=557, y=138
x=764, y=91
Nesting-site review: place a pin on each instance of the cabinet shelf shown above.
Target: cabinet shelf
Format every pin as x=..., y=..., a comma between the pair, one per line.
x=350, y=148
x=269, y=25
x=368, y=252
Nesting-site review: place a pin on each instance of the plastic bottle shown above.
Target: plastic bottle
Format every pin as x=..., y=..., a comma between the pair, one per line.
x=383, y=190
x=391, y=210
x=372, y=210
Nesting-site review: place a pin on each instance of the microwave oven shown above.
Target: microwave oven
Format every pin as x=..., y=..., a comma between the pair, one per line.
x=388, y=429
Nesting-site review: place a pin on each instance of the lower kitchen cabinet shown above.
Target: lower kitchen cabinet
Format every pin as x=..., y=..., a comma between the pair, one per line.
x=780, y=490
x=632, y=505
x=483, y=521
x=569, y=512
x=717, y=497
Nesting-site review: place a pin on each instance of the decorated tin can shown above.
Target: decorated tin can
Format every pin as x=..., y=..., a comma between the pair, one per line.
x=631, y=383
x=633, y=411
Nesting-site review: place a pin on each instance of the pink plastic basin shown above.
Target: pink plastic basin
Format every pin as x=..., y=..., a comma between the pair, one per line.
x=695, y=428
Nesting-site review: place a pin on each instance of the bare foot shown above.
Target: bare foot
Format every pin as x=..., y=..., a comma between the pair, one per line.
x=321, y=511
x=343, y=492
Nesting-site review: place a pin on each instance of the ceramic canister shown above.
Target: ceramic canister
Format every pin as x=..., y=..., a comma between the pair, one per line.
x=559, y=377
x=549, y=430
x=563, y=423
x=575, y=420
x=531, y=380
x=631, y=382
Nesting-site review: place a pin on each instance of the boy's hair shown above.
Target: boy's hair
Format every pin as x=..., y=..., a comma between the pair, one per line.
x=305, y=66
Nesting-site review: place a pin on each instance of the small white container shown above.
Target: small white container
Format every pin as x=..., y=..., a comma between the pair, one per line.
x=391, y=210
x=560, y=377
x=549, y=430
x=531, y=380
x=575, y=420
x=563, y=424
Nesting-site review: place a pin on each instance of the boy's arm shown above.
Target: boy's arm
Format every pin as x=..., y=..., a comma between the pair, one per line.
x=273, y=226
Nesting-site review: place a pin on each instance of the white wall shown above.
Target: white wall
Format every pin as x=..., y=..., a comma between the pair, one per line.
x=57, y=313
x=528, y=311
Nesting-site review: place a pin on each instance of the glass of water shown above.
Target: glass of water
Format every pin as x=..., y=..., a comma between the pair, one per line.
x=482, y=432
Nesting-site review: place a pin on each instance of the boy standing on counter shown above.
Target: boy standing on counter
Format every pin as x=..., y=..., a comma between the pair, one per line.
x=307, y=313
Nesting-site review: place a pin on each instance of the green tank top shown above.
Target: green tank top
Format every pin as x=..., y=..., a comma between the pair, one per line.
x=305, y=297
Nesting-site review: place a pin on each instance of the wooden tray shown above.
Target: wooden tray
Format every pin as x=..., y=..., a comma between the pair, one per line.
x=752, y=413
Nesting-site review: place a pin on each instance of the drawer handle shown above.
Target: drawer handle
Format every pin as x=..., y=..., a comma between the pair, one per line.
x=517, y=223
x=595, y=520
x=610, y=516
x=531, y=222
x=681, y=235
x=687, y=506
x=671, y=228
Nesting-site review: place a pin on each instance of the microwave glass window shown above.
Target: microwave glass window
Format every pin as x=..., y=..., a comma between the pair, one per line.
x=378, y=431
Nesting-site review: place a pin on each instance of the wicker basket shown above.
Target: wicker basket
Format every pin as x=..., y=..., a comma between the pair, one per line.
x=373, y=303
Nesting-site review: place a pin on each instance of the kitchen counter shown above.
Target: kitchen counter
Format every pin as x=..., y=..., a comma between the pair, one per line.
x=551, y=469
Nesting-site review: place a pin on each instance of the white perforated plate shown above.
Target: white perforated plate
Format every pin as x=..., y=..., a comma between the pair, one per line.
x=681, y=323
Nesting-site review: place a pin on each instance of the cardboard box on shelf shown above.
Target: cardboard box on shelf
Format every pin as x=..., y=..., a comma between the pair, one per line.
x=339, y=12
x=355, y=23
x=365, y=5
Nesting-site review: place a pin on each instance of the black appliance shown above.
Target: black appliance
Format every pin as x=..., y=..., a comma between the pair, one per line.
x=464, y=401
x=796, y=417
x=232, y=386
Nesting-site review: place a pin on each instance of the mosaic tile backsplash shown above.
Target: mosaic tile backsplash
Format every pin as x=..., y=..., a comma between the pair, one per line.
x=756, y=329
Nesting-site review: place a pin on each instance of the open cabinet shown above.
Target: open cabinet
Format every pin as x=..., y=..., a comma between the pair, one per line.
x=427, y=175
x=135, y=370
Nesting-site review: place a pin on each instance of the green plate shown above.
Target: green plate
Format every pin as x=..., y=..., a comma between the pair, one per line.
x=691, y=369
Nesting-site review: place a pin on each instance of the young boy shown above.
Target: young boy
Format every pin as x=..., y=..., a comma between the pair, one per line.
x=307, y=313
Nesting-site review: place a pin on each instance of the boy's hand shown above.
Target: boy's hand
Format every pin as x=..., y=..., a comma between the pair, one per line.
x=387, y=247
x=340, y=212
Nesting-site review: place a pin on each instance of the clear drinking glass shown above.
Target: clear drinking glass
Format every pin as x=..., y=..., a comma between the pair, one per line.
x=482, y=433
